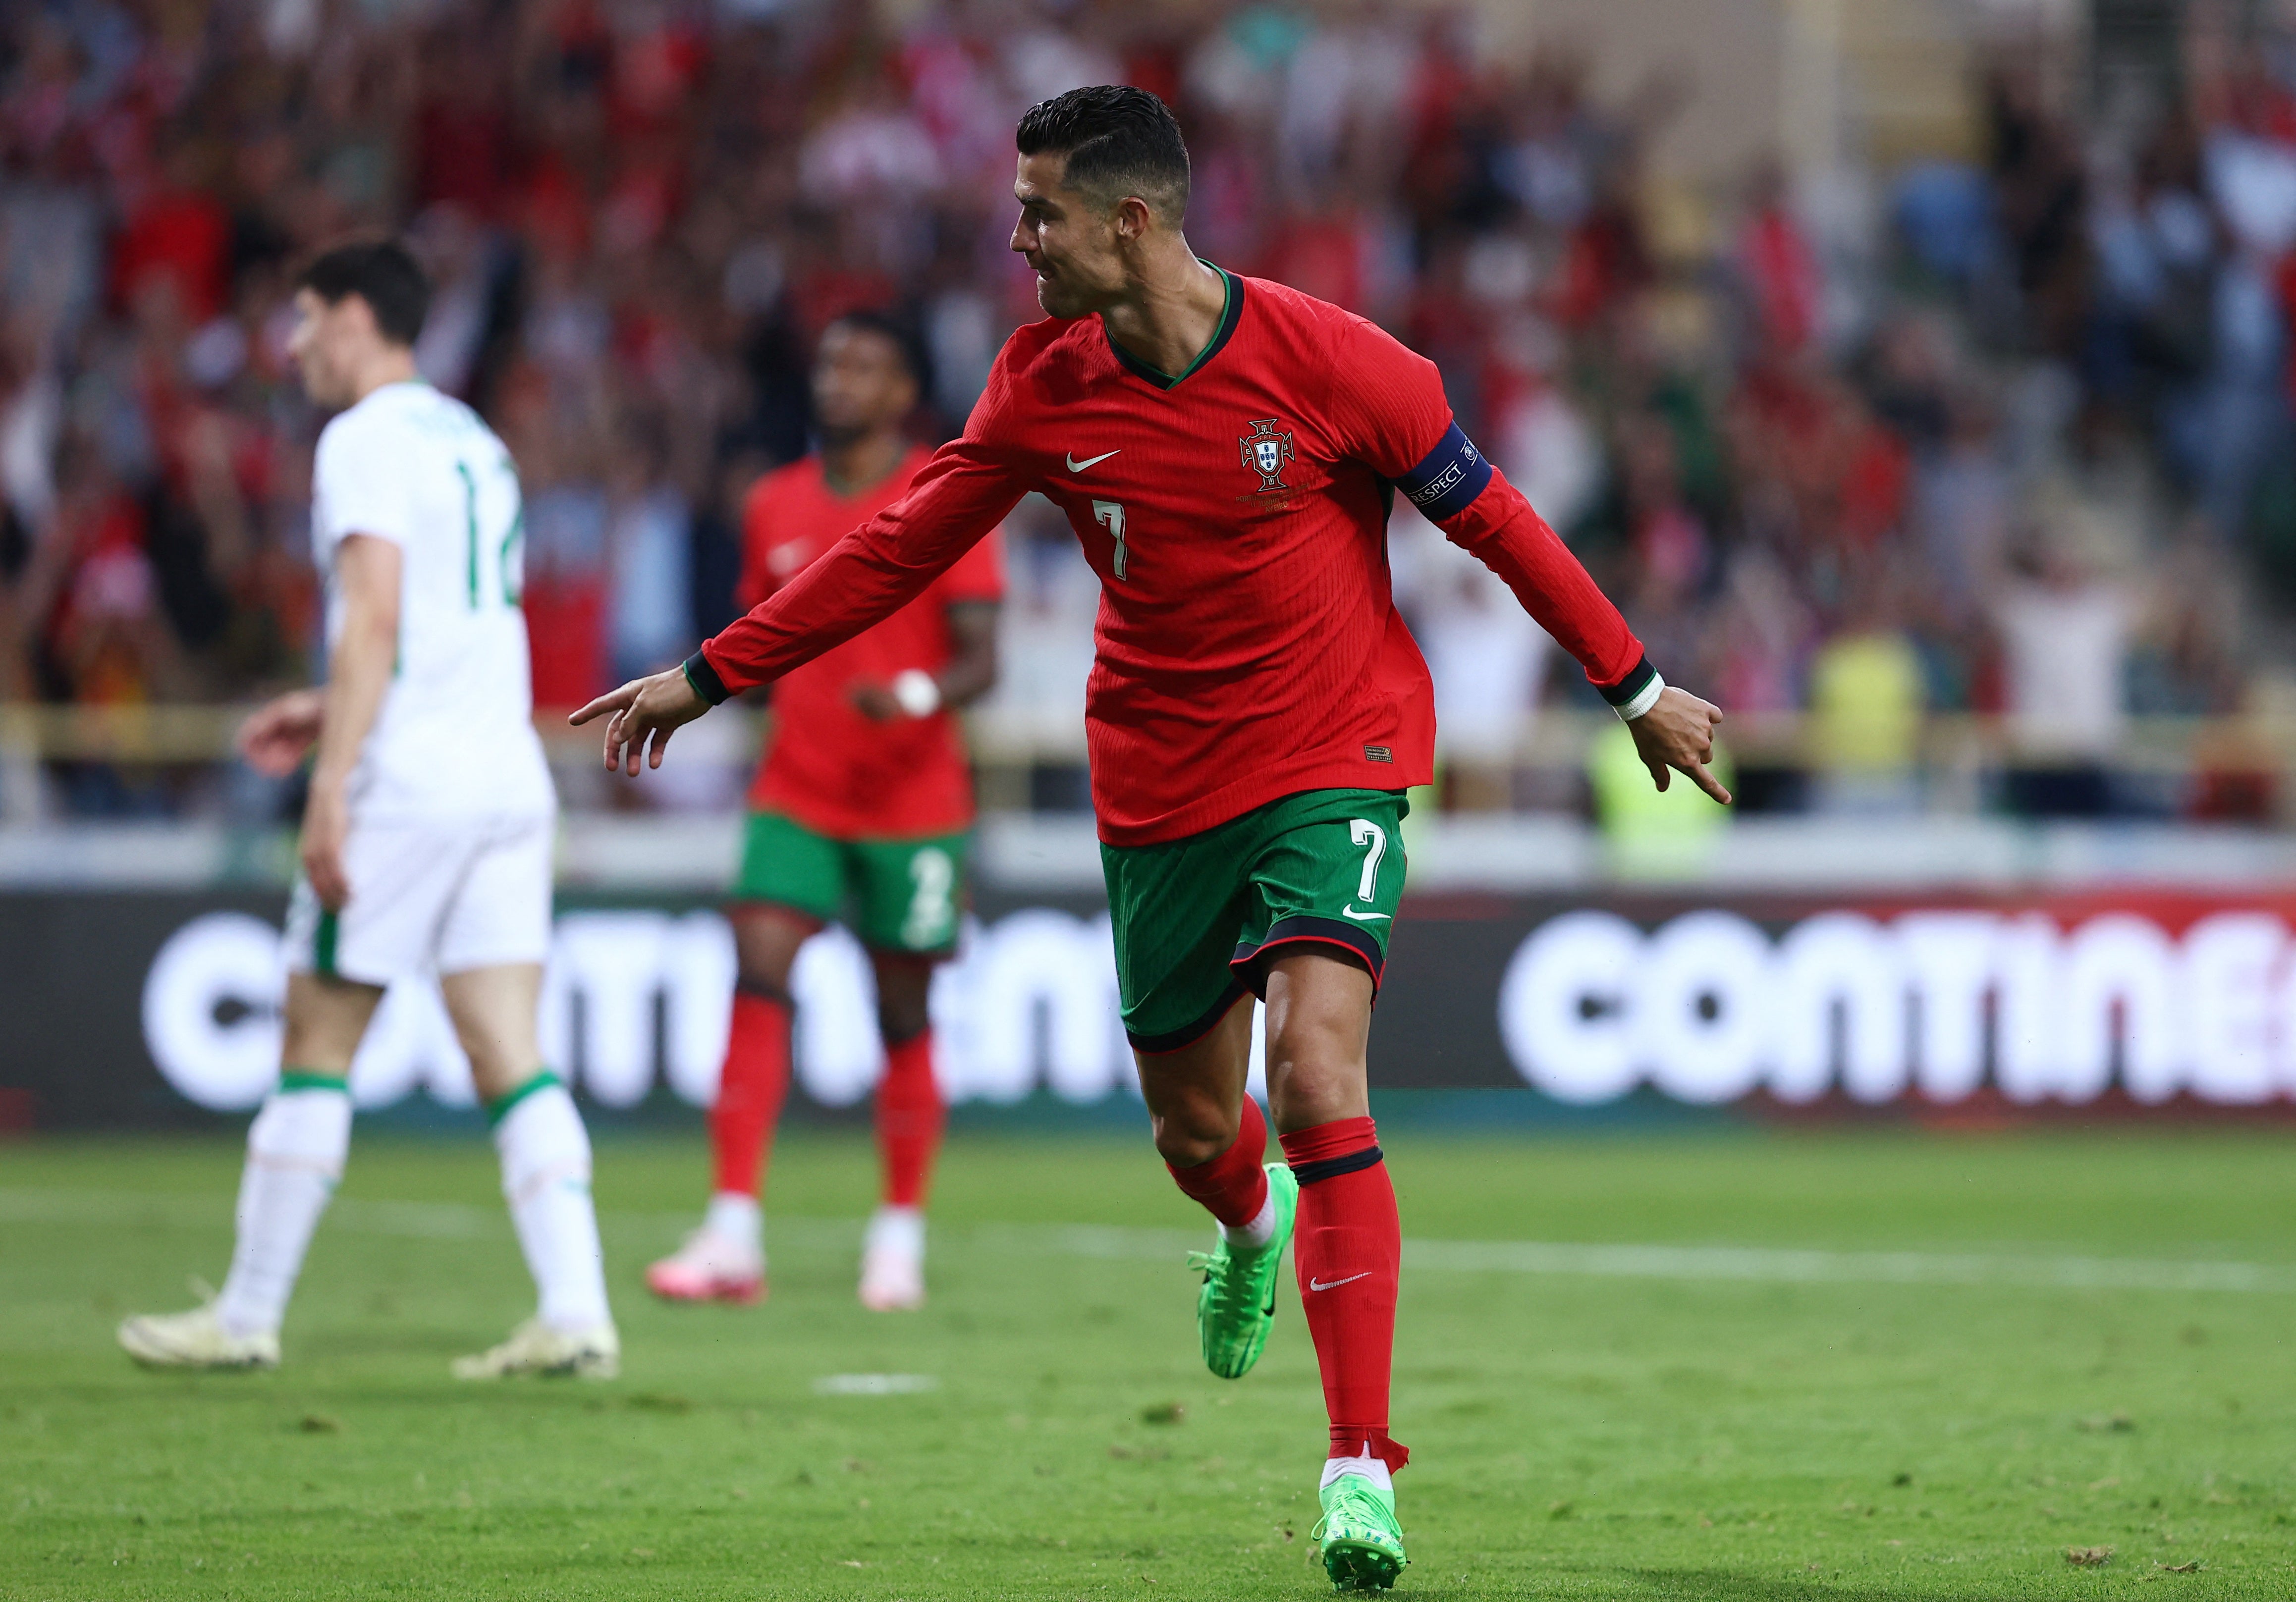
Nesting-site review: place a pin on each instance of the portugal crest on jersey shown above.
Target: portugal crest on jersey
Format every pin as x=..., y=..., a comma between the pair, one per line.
x=1265, y=453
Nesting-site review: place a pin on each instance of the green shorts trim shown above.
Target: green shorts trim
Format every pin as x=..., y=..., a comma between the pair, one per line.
x=1196, y=919
x=905, y=896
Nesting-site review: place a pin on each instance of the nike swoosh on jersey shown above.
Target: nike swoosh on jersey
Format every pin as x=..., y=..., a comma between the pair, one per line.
x=1314, y=1284
x=1076, y=467
x=1362, y=917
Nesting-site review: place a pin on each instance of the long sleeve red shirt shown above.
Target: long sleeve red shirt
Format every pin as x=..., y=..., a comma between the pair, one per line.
x=1247, y=644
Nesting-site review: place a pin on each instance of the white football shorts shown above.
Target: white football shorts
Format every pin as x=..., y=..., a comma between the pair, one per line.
x=430, y=896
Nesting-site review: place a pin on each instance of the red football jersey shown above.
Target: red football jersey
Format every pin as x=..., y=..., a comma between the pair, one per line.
x=1248, y=647
x=828, y=766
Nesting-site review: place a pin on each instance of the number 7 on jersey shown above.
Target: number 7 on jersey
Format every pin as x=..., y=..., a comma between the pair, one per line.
x=1109, y=515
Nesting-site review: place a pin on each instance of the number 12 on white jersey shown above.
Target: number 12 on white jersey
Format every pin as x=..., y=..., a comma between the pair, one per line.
x=507, y=554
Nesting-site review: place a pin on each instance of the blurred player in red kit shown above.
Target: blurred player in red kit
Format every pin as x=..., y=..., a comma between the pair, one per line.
x=860, y=810
x=1227, y=451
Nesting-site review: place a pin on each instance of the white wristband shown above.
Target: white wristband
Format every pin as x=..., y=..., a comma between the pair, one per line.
x=917, y=692
x=1644, y=700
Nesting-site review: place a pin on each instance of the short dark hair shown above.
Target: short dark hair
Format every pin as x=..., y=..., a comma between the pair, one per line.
x=383, y=273
x=1119, y=141
x=900, y=333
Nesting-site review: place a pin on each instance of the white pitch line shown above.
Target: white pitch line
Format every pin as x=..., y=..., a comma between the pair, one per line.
x=875, y=1384
x=155, y=1210
x=1786, y=1266
x=1758, y=1264
x=1772, y=1265
x=432, y=1221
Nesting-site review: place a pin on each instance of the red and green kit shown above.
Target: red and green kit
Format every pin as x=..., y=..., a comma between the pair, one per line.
x=1250, y=657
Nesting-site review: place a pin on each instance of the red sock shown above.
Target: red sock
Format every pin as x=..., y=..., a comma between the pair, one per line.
x=1346, y=1249
x=750, y=1090
x=1233, y=1186
x=909, y=1118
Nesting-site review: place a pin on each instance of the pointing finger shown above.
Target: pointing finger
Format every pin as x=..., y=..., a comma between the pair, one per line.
x=613, y=700
x=1707, y=781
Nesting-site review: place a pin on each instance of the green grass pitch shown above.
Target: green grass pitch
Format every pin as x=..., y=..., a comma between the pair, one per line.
x=1935, y=1366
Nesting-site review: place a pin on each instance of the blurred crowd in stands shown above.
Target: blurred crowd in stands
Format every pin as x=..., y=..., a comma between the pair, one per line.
x=2008, y=435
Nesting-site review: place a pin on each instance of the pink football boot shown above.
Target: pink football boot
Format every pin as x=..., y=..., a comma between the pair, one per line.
x=893, y=1261
x=709, y=1268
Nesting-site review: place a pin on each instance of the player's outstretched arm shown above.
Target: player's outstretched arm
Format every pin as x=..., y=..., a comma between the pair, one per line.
x=1389, y=403
x=958, y=497
x=1478, y=510
x=963, y=493
x=865, y=577
x=1678, y=734
x=643, y=709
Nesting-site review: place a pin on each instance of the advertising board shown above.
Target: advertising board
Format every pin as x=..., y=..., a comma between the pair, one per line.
x=153, y=1009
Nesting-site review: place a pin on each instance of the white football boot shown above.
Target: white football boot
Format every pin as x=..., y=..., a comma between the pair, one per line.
x=534, y=1347
x=195, y=1339
x=893, y=1261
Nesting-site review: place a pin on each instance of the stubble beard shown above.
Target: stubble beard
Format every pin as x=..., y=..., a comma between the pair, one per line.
x=1062, y=297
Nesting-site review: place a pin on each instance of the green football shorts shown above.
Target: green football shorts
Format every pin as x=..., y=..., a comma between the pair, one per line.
x=905, y=895
x=1196, y=919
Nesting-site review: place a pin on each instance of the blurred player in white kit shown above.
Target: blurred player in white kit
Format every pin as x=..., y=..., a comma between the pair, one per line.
x=426, y=843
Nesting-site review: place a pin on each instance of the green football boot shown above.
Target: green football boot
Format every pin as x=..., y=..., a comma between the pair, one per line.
x=1237, y=1305
x=1360, y=1539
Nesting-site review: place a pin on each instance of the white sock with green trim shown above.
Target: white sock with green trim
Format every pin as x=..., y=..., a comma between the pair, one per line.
x=546, y=1165
x=295, y=1152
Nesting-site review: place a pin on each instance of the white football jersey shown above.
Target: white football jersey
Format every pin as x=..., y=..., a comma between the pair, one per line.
x=455, y=735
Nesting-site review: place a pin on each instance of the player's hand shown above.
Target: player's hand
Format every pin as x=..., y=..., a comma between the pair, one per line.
x=642, y=708
x=873, y=701
x=326, y=824
x=1679, y=733
x=275, y=739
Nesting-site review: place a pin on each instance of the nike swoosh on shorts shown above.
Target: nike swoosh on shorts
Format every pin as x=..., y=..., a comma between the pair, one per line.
x=1361, y=917
x=1076, y=467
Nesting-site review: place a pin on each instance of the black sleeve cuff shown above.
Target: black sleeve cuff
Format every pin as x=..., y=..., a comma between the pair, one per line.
x=1628, y=690
x=705, y=681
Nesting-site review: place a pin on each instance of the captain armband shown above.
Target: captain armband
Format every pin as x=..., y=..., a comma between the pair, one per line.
x=1448, y=479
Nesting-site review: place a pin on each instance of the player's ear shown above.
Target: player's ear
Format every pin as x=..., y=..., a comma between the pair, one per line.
x=1134, y=219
